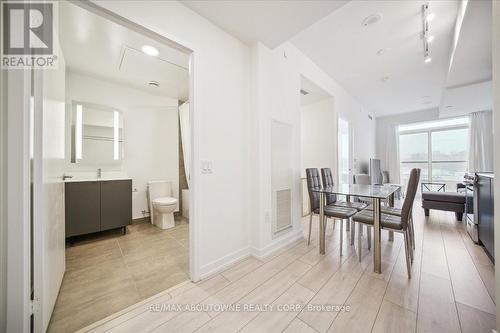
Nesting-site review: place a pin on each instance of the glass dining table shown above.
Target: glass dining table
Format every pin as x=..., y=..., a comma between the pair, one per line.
x=375, y=192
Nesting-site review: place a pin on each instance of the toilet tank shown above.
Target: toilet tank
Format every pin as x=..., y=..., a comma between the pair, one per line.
x=159, y=188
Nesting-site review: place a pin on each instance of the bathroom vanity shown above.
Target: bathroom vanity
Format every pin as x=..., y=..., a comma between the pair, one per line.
x=97, y=205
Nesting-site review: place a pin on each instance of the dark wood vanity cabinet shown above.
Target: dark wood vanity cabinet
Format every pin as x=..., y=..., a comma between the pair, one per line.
x=93, y=206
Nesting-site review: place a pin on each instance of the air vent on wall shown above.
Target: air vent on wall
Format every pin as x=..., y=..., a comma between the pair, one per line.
x=283, y=209
x=303, y=92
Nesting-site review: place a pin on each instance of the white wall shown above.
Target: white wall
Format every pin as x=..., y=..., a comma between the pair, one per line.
x=496, y=129
x=220, y=128
x=318, y=140
x=151, y=149
x=383, y=123
x=276, y=78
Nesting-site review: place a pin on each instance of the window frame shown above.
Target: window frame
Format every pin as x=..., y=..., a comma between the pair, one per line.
x=429, y=132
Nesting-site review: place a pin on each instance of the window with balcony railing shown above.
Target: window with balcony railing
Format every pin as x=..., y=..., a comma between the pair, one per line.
x=438, y=147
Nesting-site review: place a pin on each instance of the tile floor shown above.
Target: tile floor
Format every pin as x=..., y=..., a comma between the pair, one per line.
x=108, y=272
x=451, y=289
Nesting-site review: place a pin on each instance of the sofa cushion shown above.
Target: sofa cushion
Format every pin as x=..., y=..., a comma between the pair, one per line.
x=452, y=197
x=443, y=205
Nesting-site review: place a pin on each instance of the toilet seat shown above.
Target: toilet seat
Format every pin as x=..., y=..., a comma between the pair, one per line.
x=165, y=201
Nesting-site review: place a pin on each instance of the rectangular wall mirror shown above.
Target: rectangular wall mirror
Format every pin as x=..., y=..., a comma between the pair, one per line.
x=96, y=134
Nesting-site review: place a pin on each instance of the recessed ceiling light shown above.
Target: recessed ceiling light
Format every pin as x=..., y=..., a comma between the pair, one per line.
x=427, y=59
x=382, y=51
x=430, y=17
x=155, y=84
x=150, y=50
x=372, y=19
x=385, y=79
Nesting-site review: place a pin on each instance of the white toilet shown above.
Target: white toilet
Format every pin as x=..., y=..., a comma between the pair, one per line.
x=162, y=204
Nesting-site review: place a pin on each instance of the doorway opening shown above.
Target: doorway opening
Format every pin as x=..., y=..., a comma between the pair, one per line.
x=112, y=224
x=344, y=152
x=318, y=133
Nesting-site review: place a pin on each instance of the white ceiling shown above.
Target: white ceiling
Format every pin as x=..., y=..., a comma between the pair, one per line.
x=314, y=92
x=347, y=51
x=472, y=57
x=98, y=47
x=469, y=86
x=271, y=22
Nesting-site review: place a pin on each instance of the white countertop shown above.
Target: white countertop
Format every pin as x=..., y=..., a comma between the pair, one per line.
x=75, y=180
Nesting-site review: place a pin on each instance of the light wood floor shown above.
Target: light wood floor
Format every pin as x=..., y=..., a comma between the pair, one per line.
x=107, y=272
x=451, y=290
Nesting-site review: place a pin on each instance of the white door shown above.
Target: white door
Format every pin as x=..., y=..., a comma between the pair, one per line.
x=344, y=152
x=48, y=164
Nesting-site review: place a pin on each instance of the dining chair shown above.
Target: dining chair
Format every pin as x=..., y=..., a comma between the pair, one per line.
x=331, y=199
x=394, y=223
x=335, y=212
x=397, y=212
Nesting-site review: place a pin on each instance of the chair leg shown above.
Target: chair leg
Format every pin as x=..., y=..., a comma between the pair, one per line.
x=348, y=226
x=341, y=235
x=412, y=232
x=352, y=231
x=407, y=253
x=410, y=246
x=360, y=228
x=310, y=225
x=369, y=236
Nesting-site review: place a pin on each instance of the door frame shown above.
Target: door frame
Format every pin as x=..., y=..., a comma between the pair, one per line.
x=16, y=157
x=350, y=147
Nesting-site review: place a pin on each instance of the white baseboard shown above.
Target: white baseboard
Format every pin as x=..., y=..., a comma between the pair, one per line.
x=277, y=244
x=218, y=265
x=224, y=262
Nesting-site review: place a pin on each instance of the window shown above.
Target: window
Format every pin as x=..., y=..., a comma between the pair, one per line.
x=438, y=147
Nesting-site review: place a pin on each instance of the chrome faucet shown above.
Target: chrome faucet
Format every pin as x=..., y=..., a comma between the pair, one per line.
x=99, y=173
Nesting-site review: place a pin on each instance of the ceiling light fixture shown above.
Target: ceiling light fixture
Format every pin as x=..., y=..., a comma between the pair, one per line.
x=150, y=50
x=382, y=51
x=155, y=84
x=426, y=37
x=372, y=19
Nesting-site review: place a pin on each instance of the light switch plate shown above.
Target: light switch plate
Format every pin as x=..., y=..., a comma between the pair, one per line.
x=206, y=167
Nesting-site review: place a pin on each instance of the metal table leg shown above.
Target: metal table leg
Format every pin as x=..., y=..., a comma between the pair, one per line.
x=350, y=223
x=322, y=223
x=376, y=236
x=391, y=204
